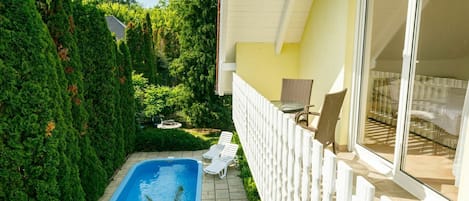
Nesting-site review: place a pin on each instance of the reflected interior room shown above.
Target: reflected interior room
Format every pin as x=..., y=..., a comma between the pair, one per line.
x=438, y=89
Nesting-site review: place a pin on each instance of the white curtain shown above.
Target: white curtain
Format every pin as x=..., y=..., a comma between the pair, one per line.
x=462, y=136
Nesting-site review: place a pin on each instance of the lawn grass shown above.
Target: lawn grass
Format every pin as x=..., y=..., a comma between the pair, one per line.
x=208, y=134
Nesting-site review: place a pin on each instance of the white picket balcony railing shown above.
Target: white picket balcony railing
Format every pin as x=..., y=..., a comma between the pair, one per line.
x=285, y=161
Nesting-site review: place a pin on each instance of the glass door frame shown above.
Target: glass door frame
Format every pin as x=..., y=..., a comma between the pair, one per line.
x=358, y=100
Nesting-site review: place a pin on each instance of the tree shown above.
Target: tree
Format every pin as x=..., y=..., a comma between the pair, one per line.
x=140, y=42
x=166, y=41
x=127, y=2
x=60, y=26
x=119, y=146
x=32, y=124
x=125, y=13
x=127, y=102
x=148, y=50
x=98, y=71
x=196, y=63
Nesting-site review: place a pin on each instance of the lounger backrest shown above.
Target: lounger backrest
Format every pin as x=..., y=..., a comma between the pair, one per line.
x=225, y=137
x=229, y=150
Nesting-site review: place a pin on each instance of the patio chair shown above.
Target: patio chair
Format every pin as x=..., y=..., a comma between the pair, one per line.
x=325, y=130
x=296, y=90
x=225, y=137
x=221, y=162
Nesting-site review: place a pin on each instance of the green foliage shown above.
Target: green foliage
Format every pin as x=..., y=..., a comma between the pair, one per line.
x=163, y=31
x=119, y=146
x=195, y=66
x=100, y=86
x=92, y=174
x=184, y=37
x=125, y=13
x=165, y=36
x=50, y=121
x=140, y=42
x=164, y=100
x=32, y=123
x=127, y=103
x=245, y=173
x=154, y=100
x=153, y=139
x=140, y=84
x=123, y=2
x=60, y=28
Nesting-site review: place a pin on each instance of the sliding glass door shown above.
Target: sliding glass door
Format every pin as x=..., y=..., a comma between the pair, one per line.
x=438, y=91
x=414, y=67
x=381, y=69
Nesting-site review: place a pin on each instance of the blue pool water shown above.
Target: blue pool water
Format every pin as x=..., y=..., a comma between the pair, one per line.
x=162, y=180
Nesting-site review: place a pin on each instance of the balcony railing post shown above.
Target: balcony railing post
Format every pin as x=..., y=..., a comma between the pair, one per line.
x=364, y=190
x=285, y=161
x=291, y=159
x=344, y=182
x=329, y=174
x=305, y=178
x=285, y=157
x=298, y=162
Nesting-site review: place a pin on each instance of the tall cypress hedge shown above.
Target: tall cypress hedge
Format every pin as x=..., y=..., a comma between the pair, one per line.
x=127, y=102
x=139, y=38
x=97, y=53
x=119, y=147
x=58, y=23
x=149, y=51
x=61, y=26
x=195, y=66
x=33, y=127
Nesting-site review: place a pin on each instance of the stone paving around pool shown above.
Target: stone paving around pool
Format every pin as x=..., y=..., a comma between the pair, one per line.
x=213, y=188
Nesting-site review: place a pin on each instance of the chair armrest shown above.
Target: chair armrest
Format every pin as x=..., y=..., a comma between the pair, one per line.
x=307, y=107
x=315, y=113
x=312, y=129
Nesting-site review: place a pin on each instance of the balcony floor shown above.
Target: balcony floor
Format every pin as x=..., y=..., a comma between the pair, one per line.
x=228, y=189
x=383, y=185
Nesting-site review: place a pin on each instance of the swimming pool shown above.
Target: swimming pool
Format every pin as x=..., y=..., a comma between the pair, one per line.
x=162, y=179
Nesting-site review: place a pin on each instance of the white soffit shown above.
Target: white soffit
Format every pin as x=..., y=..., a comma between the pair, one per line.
x=259, y=21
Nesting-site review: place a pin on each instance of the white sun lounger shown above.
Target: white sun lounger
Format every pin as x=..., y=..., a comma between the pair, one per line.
x=221, y=162
x=225, y=137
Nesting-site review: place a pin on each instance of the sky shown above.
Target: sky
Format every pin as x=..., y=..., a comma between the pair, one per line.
x=148, y=3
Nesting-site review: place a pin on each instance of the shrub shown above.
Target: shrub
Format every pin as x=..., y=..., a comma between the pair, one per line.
x=245, y=173
x=154, y=100
x=32, y=123
x=127, y=103
x=139, y=39
x=169, y=140
x=97, y=52
x=60, y=26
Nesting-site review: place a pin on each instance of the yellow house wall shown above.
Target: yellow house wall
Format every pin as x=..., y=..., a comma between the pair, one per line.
x=326, y=54
x=258, y=65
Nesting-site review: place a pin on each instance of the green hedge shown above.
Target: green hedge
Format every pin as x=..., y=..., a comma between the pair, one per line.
x=32, y=124
x=127, y=102
x=153, y=139
x=97, y=51
x=140, y=39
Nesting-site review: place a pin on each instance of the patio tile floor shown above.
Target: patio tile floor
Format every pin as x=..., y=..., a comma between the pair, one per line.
x=231, y=188
x=213, y=188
